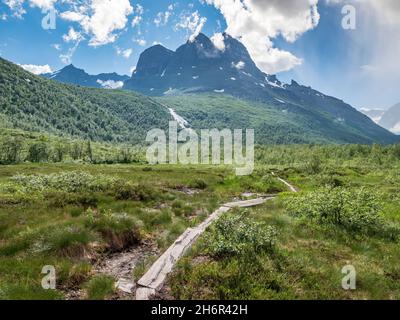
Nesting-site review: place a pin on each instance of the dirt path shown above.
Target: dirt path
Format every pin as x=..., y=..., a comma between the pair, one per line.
x=291, y=187
x=120, y=265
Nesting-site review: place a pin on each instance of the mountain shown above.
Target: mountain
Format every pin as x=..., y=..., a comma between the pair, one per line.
x=388, y=119
x=71, y=74
x=199, y=67
x=374, y=114
x=33, y=103
x=391, y=119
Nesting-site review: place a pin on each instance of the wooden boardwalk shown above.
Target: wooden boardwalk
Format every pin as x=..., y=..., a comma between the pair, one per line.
x=154, y=278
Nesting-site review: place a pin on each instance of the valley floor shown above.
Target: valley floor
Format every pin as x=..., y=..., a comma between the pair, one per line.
x=99, y=223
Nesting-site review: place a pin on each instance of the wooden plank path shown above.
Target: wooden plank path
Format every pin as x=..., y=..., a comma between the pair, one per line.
x=154, y=278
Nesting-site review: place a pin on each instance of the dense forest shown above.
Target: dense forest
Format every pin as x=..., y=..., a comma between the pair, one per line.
x=32, y=103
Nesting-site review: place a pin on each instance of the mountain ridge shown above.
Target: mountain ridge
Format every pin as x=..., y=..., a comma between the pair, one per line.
x=73, y=75
x=196, y=74
x=36, y=104
x=199, y=67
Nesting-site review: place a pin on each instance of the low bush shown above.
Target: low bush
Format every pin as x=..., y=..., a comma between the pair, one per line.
x=61, y=199
x=357, y=210
x=70, y=241
x=118, y=230
x=198, y=184
x=75, y=181
x=235, y=234
x=100, y=287
x=77, y=275
x=136, y=192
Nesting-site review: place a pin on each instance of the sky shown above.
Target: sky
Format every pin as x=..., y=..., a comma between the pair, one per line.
x=349, y=49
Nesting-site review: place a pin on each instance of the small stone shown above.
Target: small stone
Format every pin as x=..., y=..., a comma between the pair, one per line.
x=125, y=285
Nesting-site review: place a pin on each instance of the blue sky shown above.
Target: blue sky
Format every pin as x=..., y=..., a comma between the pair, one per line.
x=345, y=63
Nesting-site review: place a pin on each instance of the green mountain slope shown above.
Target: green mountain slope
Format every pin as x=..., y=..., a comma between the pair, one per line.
x=32, y=103
x=274, y=123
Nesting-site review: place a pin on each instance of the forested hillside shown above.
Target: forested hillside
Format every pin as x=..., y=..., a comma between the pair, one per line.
x=274, y=122
x=31, y=103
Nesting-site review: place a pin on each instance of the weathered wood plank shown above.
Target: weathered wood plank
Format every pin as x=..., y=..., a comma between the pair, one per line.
x=154, y=278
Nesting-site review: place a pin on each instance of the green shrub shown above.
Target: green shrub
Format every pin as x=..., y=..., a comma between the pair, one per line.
x=136, y=192
x=198, y=184
x=77, y=275
x=100, y=287
x=314, y=165
x=329, y=180
x=75, y=181
x=118, y=230
x=238, y=235
x=69, y=241
x=61, y=199
x=357, y=210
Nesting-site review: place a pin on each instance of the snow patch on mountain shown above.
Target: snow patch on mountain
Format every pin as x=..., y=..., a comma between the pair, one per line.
x=182, y=123
x=275, y=84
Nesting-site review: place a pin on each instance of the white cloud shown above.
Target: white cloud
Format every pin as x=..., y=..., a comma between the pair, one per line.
x=56, y=46
x=136, y=21
x=193, y=23
x=138, y=10
x=16, y=6
x=125, y=53
x=73, y=36
x=141, y=42
x=132, y=69
x=110, y=84
x=219, y=41
x=388, y=10
x=36, y=69
x=162, y=18
x=257, y=22
x=373, y=68
x=72, y=16
x=66, y=58
x=104, y=18
x=43, y=4
x=396, y=129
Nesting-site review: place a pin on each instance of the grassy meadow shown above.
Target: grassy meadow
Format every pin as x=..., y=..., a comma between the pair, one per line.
x=346, y=213
x=73, y=213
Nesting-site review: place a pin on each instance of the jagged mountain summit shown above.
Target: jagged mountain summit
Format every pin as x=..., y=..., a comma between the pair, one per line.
x=73, y=75
x=199, y=67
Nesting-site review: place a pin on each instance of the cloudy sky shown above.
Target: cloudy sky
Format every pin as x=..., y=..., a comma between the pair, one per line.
x=296, y=39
